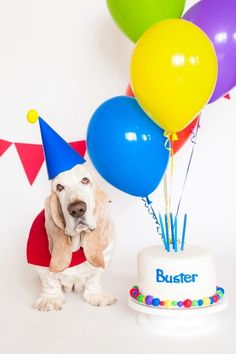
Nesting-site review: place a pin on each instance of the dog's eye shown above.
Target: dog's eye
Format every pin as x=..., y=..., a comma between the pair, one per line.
x=85, y=180
x=60, y=187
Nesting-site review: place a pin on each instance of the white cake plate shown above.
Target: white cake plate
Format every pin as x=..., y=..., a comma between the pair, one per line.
x=171, y=322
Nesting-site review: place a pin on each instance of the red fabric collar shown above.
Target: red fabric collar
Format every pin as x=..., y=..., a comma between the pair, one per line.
x=37, y=246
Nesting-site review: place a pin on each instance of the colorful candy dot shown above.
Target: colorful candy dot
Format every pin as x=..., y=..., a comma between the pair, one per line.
x=137, y=295
x=216, y=298
x=206, y=301
x=162, y=303
x=141, y=298
x=200, y=302
x=174, y=303
x=187, y=303
x=135, y=287
x=148, y=299
x=156, y=302
x=220, y=294
x=168, y=303
x=211, y=300
x=132, y=292
x=180, y=304
x=220, y=289
x=194, y=303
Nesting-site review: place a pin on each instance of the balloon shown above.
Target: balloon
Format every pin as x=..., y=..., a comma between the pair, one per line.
x=173, y=73
x=134, y=17
x=227, y=96
x=126, y=147
x=218, y=20
x=129, y=91
x=183, y=135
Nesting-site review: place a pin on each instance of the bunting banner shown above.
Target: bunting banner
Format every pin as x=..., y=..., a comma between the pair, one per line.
x=4, y=145
x=32, y=156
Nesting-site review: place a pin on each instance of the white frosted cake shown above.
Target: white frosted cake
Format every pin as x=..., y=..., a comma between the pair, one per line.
x=176, y=279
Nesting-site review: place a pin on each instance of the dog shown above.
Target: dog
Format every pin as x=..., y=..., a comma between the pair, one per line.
x=76, y=220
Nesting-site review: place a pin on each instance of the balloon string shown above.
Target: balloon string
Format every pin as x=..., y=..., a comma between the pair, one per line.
x=194, y=141
x=148, y=206
x=168, y=194
x=167, y=207
x=167, y=142
x=171, y=176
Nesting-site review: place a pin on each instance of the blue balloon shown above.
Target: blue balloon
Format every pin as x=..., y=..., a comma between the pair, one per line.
x=126, y=147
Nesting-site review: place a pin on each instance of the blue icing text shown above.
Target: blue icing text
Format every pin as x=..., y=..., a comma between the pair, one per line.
x=178, y=278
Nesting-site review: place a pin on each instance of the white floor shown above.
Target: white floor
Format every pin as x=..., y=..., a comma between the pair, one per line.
x=81, y=328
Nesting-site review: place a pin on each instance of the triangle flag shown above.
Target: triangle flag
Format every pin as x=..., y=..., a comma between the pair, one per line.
x=79, y=146
x=227, y=96
x=4, y=145
x=32, y=158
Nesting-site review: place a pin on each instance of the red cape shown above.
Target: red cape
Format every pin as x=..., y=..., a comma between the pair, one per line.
x=37, y=246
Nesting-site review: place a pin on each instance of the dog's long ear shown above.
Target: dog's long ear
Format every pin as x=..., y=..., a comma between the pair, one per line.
x=92, y=249
x=94, y=242
x=59, y=243
x=56, y=211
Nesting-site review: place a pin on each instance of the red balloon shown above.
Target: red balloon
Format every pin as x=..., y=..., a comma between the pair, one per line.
x=183, y=135
x=129, y=91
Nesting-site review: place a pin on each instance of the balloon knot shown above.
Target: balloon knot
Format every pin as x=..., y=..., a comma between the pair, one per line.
x=174, y=137
x=166, y=134
x=148, y=200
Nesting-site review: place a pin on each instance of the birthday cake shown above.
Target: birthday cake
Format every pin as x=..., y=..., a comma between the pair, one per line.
x=177, y=280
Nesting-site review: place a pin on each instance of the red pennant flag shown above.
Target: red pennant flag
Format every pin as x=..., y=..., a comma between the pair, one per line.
x=32, y=157
x=4, y=145
x=79, y=146
x=227, y=96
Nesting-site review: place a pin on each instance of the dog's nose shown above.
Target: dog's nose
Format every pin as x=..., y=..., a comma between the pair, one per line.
x=77, y=209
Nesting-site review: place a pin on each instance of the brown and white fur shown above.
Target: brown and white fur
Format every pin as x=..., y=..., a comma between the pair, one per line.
x=76, y=215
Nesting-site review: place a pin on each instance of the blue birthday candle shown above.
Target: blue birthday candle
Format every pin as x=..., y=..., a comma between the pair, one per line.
x=184, y=231
x=167, y=232
x=172, y=230
x=163, y=233
x=176, y=233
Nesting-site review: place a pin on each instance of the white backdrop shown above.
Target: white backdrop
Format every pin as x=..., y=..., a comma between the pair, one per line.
x=64, y=58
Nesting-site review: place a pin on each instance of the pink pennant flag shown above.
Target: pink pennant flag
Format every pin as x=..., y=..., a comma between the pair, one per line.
x=32, y=158
x=4, y=145
x=79, y=146
x=227, y=96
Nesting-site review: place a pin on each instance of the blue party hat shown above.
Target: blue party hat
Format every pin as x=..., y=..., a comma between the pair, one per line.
x=59, y=155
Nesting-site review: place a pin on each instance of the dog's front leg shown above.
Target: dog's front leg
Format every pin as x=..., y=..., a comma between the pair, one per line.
x=51, y=297
x=94, y=293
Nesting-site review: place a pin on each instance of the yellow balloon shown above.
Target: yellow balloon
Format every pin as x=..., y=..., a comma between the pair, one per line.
x=173, y=73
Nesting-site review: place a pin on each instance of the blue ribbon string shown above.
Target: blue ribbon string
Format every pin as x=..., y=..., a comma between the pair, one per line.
x=148, y=206
x=194, y=141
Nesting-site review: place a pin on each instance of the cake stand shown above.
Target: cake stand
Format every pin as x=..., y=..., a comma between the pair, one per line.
x=173, y=322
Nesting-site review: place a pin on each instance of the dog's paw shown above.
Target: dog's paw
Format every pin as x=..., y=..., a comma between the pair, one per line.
x=49, y=303
x=100, y=299
x=78, y=287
